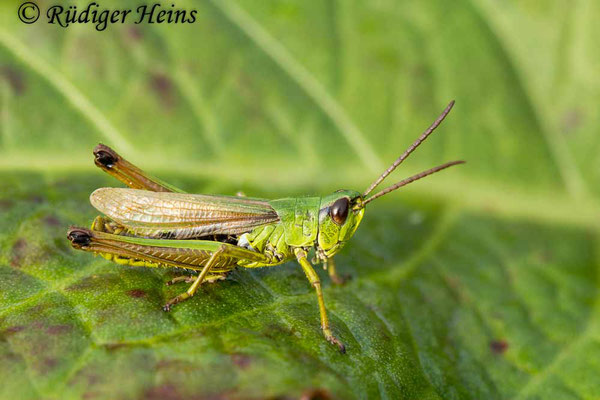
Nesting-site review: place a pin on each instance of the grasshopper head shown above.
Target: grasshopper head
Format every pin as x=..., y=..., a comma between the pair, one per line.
x=342, y=211
x=339, y=217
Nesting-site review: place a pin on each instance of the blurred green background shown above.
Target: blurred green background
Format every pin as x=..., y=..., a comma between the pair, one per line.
x=480, y=282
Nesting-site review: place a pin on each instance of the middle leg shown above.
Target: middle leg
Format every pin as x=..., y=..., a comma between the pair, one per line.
x=335, y=278
x=199, y=279
x=316, y=282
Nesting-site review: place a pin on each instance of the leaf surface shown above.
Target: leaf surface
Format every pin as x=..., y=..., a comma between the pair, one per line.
x=480, y=282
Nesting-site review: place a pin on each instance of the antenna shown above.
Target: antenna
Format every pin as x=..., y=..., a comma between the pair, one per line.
x=408, y=151
x=413, y=178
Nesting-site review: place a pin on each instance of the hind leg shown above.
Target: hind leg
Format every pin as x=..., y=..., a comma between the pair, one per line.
x=112, y=163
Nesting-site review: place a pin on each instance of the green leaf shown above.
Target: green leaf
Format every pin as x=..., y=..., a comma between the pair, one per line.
x=480, y=282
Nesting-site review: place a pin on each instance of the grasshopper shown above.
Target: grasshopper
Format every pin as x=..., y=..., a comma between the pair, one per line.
x=154, y=224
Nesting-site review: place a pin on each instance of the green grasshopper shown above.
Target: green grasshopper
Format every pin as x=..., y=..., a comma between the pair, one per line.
x=153, y=224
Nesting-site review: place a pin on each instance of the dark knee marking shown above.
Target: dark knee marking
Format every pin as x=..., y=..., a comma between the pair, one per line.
x=79, y=237
x=105, y=156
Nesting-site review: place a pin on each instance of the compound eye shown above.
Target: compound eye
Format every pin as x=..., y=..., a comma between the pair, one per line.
x=339, y=210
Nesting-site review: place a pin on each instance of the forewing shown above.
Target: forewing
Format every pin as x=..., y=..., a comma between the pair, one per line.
x=181, y=215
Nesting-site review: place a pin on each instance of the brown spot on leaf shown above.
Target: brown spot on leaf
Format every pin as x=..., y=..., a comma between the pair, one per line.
x=11, y=357
x=52, y=221
x=243, y=361
x=162, y=392
x=137, y=293
x=90, y=395
x=498, y=346
x=37, y=325
x=90, y=378
x=170, y=392
x=5, y=204
x=419, y=71
x=544, y=255
x=15, y=79
x=11, y=330
x=19, y=251
x=37, y=199
x=570, y=121
x=114, y=346
x=58, y=329
x=50, y=363
x=316, y=394
x=179, y=365
x=135, y=33
x=84, y=284
x=163, y=86
x=93, y=282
